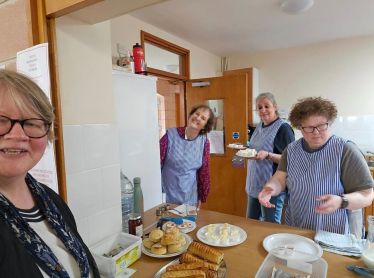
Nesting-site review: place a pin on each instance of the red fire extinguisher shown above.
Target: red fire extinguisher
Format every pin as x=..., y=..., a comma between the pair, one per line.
x=138, y=59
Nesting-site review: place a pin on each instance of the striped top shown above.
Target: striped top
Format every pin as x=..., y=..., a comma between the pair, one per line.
x=309, y=176
x=183, y=159
x=259, y=172
x=32, y=215
x=40, y=225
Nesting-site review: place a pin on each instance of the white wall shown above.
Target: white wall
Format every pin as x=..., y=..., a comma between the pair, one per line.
x=126, y=30
x=340, y=70
x=90, y=132
x=85, y=70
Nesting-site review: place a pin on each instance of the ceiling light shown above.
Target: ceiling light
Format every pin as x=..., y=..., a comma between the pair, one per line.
x=296, y=6
x=171, y=68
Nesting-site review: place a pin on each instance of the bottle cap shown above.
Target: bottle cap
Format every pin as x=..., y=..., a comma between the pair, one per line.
x=135, y=216
x=137, y=45
x=137, y=180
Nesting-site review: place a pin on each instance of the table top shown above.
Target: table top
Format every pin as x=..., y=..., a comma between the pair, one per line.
x=245, y=259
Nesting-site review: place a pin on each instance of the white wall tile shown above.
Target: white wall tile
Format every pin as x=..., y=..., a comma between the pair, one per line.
x=104, y=224
x=111, y=186
x=353, y=123
x=100, y=145
x=83, y=230
x=84, y=192
x=369, y=123
x=337, y=125
x=73, y=149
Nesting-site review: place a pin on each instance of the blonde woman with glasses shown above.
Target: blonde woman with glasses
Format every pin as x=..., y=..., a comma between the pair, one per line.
x=327, y=178
x=38, y=233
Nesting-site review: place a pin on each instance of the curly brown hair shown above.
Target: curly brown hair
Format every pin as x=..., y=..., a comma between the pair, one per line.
x=209, y=124
x=312, y=106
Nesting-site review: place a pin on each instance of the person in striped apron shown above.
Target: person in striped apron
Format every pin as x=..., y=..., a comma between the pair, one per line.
x=269, y=139
x=327, y=177
x=185, y=153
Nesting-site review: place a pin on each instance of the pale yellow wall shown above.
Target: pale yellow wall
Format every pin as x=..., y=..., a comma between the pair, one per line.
x=13, y=31
x=340, y=70
x=85, y=71
x=126, y=30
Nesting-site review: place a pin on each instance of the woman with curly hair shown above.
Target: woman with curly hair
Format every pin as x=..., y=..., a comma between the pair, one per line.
x=326, y=176
x=184, y=153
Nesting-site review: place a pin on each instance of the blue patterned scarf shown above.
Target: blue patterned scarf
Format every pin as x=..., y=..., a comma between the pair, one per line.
x=40, y=251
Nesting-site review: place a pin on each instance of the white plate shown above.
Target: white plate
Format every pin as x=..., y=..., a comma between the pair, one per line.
x=148, y=252
x=244, y=155
x=300, y=243
x=201, y=236
x=222, y=270
x=241, y=147
x=185, y=231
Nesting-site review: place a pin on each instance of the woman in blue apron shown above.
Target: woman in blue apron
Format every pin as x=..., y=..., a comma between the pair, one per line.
x=185, y=155
x=326, y=176
x=269, y=139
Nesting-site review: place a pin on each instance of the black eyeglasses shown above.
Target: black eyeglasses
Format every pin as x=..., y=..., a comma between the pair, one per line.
x=33, y=128
x=310, y=129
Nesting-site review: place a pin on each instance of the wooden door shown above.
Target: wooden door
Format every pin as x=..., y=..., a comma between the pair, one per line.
x=227, y=193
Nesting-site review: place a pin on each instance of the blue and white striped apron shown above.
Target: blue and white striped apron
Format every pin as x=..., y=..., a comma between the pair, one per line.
x=179, y=173
x=259, y=172
x=309, y=176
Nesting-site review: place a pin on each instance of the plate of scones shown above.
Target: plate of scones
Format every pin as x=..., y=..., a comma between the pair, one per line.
x=200, y=261
x=186, y=227
x=164, y=244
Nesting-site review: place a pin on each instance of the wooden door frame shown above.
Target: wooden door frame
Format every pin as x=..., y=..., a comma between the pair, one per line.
x=43, y=30
x=171, y=47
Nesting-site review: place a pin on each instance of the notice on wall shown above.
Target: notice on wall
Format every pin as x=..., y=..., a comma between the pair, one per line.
x=2, y=66
x=34, y=63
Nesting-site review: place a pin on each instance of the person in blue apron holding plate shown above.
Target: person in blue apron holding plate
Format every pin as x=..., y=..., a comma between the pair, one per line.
x=269, y=139
x=184, y=153
x=327, y=177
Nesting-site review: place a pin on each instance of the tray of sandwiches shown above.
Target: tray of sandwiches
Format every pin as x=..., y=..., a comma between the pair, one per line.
x=201, y=261
x=247, y=153
x=164, y=244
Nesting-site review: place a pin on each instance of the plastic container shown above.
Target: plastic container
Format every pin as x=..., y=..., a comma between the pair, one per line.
x=111, y=267
x=319, y=267
x=127, y=201
x=368, y=254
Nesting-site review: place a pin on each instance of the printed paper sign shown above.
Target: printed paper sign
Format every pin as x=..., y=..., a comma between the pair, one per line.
x=34, y=63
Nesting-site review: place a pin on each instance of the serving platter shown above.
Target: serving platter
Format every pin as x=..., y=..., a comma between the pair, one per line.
x=148, y=252
x=237, y=147
x=245, y=155
x=216, y=232
x=305, y=248
x=191, y=224
x=222, y=270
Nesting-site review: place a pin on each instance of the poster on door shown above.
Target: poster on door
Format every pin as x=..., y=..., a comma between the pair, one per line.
x=34, y=63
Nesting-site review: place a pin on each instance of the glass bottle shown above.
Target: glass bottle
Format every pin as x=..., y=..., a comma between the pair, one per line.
x=127, y=201
x=368, y=254
x=138, y=198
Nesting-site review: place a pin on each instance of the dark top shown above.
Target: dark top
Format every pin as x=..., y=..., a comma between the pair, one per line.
x=16, y=262
x=284, y=136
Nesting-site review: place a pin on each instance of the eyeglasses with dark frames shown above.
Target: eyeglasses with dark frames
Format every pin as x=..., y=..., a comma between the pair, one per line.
x=310, y=129
x=33, y=128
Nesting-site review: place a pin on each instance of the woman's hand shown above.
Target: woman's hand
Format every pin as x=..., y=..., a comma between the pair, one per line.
x=261, y=155
x=264, y=197
x=331, y=204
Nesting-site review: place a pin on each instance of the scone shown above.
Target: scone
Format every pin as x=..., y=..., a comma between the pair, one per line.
x=172, y=230
x=169, y=239
x=182, y=240
x=156, y=235
x=182, y=226
x=158, y=249
x=147, y=243
x=174, y=248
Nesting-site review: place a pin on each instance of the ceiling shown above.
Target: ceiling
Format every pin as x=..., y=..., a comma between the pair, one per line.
x=228, y=27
